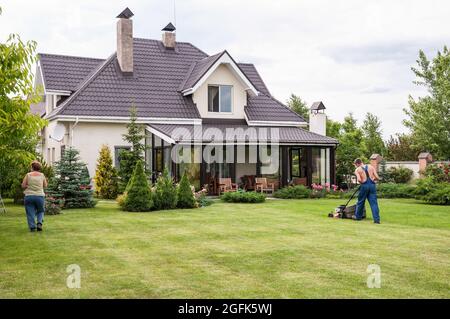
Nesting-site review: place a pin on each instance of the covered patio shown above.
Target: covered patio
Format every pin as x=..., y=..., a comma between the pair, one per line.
x=213, y=151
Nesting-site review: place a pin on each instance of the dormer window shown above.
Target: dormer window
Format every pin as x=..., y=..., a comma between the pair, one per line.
x=219, y=98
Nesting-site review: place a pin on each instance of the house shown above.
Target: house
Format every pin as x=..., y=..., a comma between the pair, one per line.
x=204, y=114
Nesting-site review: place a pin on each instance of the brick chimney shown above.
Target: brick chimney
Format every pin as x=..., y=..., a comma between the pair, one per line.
x=318, y=119
x=168, y=36
x=125, y=41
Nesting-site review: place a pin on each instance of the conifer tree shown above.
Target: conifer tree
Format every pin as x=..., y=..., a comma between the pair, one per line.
x=165, y=192
x=139, y=195
x=70, y=182
x=106, y=185
x=128, y=158
x=185, y=197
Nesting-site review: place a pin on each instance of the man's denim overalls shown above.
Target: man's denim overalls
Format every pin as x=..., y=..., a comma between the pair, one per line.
x=368, y=191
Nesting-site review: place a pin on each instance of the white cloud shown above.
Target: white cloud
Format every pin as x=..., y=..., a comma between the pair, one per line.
x=353, y=55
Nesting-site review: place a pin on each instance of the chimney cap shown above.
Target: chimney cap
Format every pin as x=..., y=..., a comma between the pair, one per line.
x=170, y=27
x=125, y=14
x=316, y=106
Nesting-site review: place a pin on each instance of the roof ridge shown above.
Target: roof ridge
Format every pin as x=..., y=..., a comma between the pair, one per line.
x=188, y=74
x=84, y=84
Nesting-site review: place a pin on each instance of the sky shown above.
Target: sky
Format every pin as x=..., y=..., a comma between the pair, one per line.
x=355, y=56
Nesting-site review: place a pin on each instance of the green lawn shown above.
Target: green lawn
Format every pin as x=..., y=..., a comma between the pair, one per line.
x=279, y=249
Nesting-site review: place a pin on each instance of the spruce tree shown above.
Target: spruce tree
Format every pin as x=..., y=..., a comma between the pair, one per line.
x=70, y=182
x=165, y=192
x=106, y=185
x=185, y=197
x=128, y=158
x=139, y=195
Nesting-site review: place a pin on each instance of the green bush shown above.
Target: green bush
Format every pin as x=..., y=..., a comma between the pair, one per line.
x=203, y=200
x=392, y=190
x=433, y=192
x=139, y=195
x=121, y=199
x=399, y=175
x=438, y=173
x=440, y=195
x=165, y=192
x=52, y=207
x=243, y=197
x=185, y=196
x=293, y=192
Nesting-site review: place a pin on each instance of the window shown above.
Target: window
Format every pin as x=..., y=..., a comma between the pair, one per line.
x=298, y=163
x=219, y=98
x=321, y=165
x=53, y=155
x=63, y=149
x=117, y=151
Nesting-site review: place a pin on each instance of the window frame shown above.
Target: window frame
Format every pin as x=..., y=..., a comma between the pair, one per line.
x=220, y=99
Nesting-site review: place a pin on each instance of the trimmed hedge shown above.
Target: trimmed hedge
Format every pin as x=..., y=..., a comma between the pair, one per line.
x=293, y=192
x=243, y=197
x=392, y=190
x=433, y=192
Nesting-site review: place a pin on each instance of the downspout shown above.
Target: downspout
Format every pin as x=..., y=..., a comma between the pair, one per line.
x=71, y=131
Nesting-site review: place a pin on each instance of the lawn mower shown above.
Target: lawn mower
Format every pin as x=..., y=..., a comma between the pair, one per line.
x=345, y=211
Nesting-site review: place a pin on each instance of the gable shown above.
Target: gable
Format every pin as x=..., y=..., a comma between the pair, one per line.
x=204, y=68
x=222, y=75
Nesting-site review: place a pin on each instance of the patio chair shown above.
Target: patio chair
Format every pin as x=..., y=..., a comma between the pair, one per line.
x=226, y=185
x=263, y=186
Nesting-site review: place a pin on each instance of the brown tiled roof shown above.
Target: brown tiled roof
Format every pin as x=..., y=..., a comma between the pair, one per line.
x=266, y=108
x=154, y=88
x=65, y=73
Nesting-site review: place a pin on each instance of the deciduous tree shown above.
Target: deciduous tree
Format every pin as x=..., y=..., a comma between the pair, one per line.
x=429, y=116
x=19, y=129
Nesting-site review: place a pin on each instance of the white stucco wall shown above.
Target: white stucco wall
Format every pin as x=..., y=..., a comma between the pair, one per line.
x=89, y=137
x=222, y=76
x=414, y=166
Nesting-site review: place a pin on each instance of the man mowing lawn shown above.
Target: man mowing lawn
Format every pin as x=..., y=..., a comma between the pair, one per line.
x=366, y=175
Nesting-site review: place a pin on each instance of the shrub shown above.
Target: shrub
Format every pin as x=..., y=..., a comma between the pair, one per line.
x=400, y=175
x=433, y=192
x=106, y=180
x=202, y=200
x=121, y=199
x=440, y=195
x=392, y=190
x=293, y=192
x=185, y=196
x=243, y=197
x=438, y=172
x=53, y=206
x=165, y=192
x=139, y=196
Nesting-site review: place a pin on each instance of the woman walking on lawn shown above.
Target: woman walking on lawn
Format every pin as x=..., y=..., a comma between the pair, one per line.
x=366, y=175
x=34, y=184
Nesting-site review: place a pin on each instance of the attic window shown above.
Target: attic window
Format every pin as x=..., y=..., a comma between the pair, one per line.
x=219, y=98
